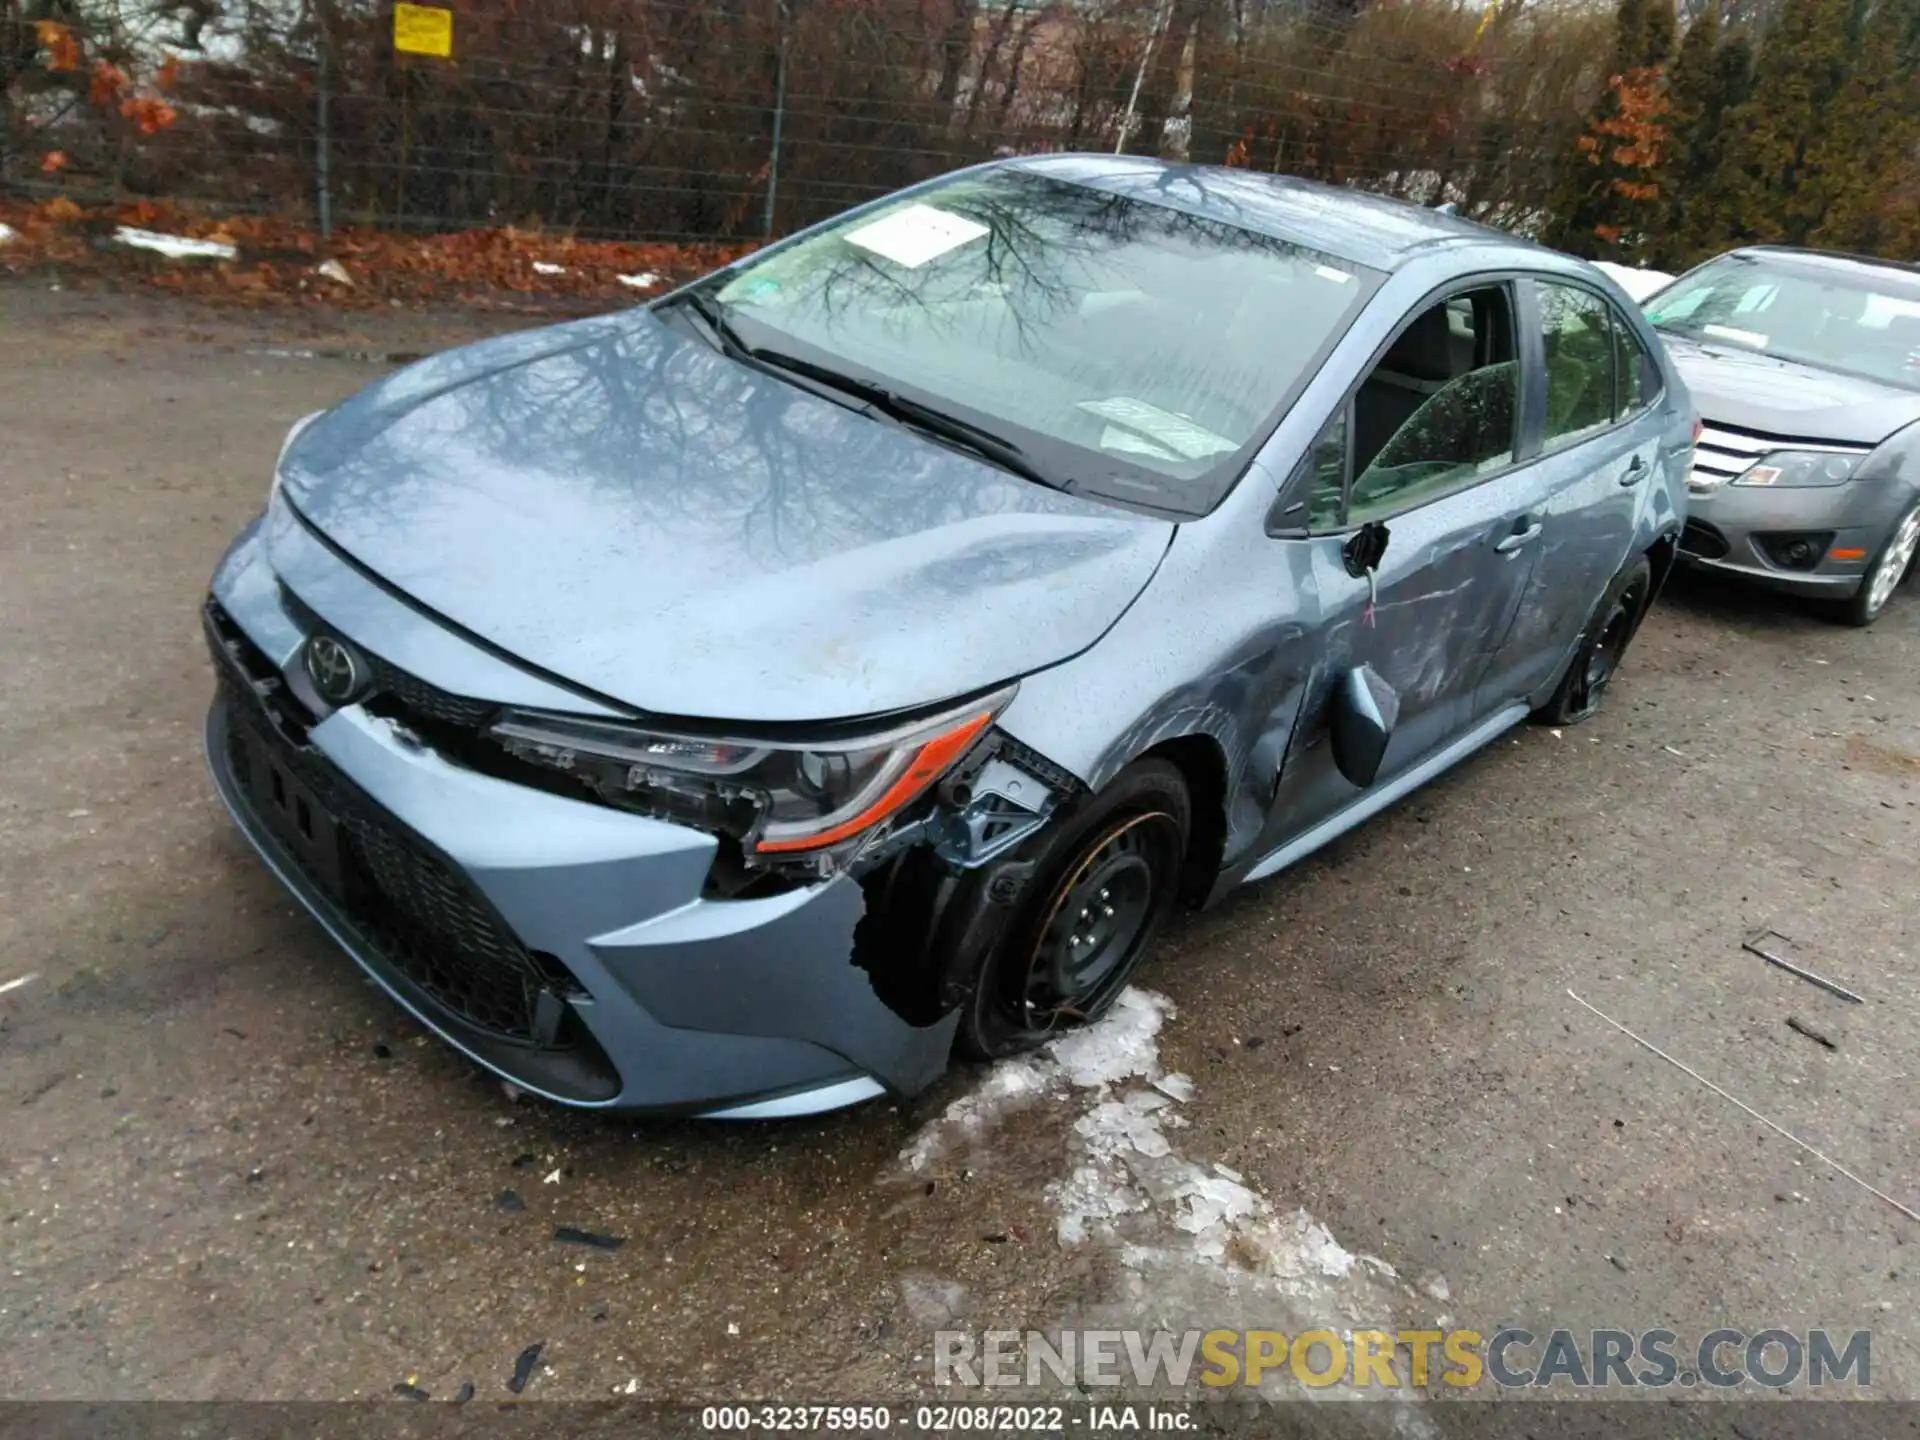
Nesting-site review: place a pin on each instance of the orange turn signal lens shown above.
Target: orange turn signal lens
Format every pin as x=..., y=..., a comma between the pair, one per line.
x=929, y=763
x=1846, y=554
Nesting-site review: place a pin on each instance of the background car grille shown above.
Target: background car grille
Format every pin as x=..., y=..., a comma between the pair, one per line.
x=421, y=917
x=1723, y=451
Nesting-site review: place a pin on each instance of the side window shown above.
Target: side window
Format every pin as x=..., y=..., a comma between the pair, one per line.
x=1439, y=409
x=1327, y=487
x=1577, y=336
x=1635, y=375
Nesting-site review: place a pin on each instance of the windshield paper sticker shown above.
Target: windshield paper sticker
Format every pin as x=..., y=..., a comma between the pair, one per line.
x=1327, y=272
x=916, y=234
x=1176, y=432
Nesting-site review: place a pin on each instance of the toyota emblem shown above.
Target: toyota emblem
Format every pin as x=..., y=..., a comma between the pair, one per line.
x=337, y=671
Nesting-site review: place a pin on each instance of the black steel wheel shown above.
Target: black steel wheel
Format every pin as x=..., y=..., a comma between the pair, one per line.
x=1603, y=645
x=1104, y=878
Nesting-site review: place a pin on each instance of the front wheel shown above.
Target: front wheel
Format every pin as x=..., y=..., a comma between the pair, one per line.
x=1890, y=567
x=1603, y=645
x=1104, y=878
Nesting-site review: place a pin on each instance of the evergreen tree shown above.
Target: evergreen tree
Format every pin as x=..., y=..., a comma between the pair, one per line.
x=1715, y=189
x=1693, y=124
x=1777, y=137
x=1872, y=132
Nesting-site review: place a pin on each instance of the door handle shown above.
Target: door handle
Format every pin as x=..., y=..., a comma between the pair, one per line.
x=1519, y=539
x=1636, y=467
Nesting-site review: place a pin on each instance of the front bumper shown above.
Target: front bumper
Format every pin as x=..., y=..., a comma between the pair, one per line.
x=564, y=945
x=1738, y=530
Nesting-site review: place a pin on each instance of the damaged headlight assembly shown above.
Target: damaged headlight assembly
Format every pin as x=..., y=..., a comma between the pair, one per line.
x=818, y=800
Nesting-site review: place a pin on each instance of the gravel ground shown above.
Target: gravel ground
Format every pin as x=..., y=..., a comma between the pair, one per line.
x=231, y=1170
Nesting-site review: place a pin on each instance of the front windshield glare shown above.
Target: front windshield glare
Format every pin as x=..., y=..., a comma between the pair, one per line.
x=1856, y=324
x=1127, y=348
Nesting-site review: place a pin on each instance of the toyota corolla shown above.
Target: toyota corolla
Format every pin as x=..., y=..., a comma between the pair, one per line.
x=736, y=705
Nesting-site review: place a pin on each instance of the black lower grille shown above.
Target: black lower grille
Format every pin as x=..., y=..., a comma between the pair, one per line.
x=426, y=922
x=1702, y=539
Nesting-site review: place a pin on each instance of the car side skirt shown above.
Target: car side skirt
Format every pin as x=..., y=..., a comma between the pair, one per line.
x=1373, y=801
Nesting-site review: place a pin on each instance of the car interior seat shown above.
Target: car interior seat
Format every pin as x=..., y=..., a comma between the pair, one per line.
x=1465, y=424
x=1420, y=363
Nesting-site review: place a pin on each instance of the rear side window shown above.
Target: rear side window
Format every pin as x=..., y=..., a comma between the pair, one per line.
x=1576, y=333
x=1636, y=375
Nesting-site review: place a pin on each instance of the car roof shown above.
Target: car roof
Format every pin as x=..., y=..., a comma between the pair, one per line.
x=1903, y=272
x=1371, y=230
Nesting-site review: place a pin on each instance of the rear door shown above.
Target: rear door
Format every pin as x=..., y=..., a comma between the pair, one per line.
x=1599, y=446
x=1457, y=496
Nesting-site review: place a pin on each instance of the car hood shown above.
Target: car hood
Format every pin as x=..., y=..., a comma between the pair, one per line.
x=617, y=504
x=1780, y=397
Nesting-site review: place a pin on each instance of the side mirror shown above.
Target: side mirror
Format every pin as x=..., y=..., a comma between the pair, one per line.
x=1365, y=548
x=1365, y=708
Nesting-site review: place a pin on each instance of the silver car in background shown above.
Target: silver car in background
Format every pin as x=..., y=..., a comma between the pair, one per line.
x=1806, y=369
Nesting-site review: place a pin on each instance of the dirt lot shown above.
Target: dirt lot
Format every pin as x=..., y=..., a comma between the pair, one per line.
x=229, y=1169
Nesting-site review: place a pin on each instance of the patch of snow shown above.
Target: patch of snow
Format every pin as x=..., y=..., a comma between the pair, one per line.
x=645, y=280
x=932, y=1301
x=1178, y=1087
x=7, y=233
x=175, y=247
x=547, y=267
x=1011, y=1085
x=27, y=979
x=1198, y=1247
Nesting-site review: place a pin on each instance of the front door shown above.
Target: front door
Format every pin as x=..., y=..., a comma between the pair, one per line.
x=1464, y=526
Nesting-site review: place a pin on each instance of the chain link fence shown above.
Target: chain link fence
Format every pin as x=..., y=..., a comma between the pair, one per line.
x=690, y=120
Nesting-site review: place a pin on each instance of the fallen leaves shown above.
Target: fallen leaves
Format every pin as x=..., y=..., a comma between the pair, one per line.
x=276, y=261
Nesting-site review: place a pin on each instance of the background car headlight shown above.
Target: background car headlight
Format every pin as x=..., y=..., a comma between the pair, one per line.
x=775, y=797
x=1788, y=469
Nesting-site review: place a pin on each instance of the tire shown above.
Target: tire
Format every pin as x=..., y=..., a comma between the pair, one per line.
x=1891, y=566
x=1603, y=645
x=1105, y=875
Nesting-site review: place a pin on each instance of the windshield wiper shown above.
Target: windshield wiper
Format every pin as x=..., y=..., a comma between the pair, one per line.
x=996, y=449
x=715, y=319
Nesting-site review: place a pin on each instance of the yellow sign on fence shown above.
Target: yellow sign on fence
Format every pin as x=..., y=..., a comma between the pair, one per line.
x=423, y=30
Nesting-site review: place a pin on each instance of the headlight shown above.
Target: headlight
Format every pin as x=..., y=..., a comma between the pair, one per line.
x=1791, y=469
x=774, y=796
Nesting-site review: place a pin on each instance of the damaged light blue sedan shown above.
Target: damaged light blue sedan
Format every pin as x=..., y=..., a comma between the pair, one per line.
x=736, y=705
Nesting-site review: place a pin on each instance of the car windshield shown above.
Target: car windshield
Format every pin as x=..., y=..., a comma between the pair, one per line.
x=1125, y=349
x=1861, y=320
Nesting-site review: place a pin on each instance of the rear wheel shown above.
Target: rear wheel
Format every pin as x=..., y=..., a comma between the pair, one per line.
x=1890, y=567
x=1104, y=879
x=1603, y=645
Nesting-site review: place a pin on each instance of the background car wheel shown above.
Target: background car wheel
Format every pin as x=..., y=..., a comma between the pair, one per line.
x=1603, y=645
x=1889, y=568
x=1103, y=880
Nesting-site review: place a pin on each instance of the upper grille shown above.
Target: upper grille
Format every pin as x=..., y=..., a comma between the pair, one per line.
x=408, y=692
x=1723, y=452
x=414, y=694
